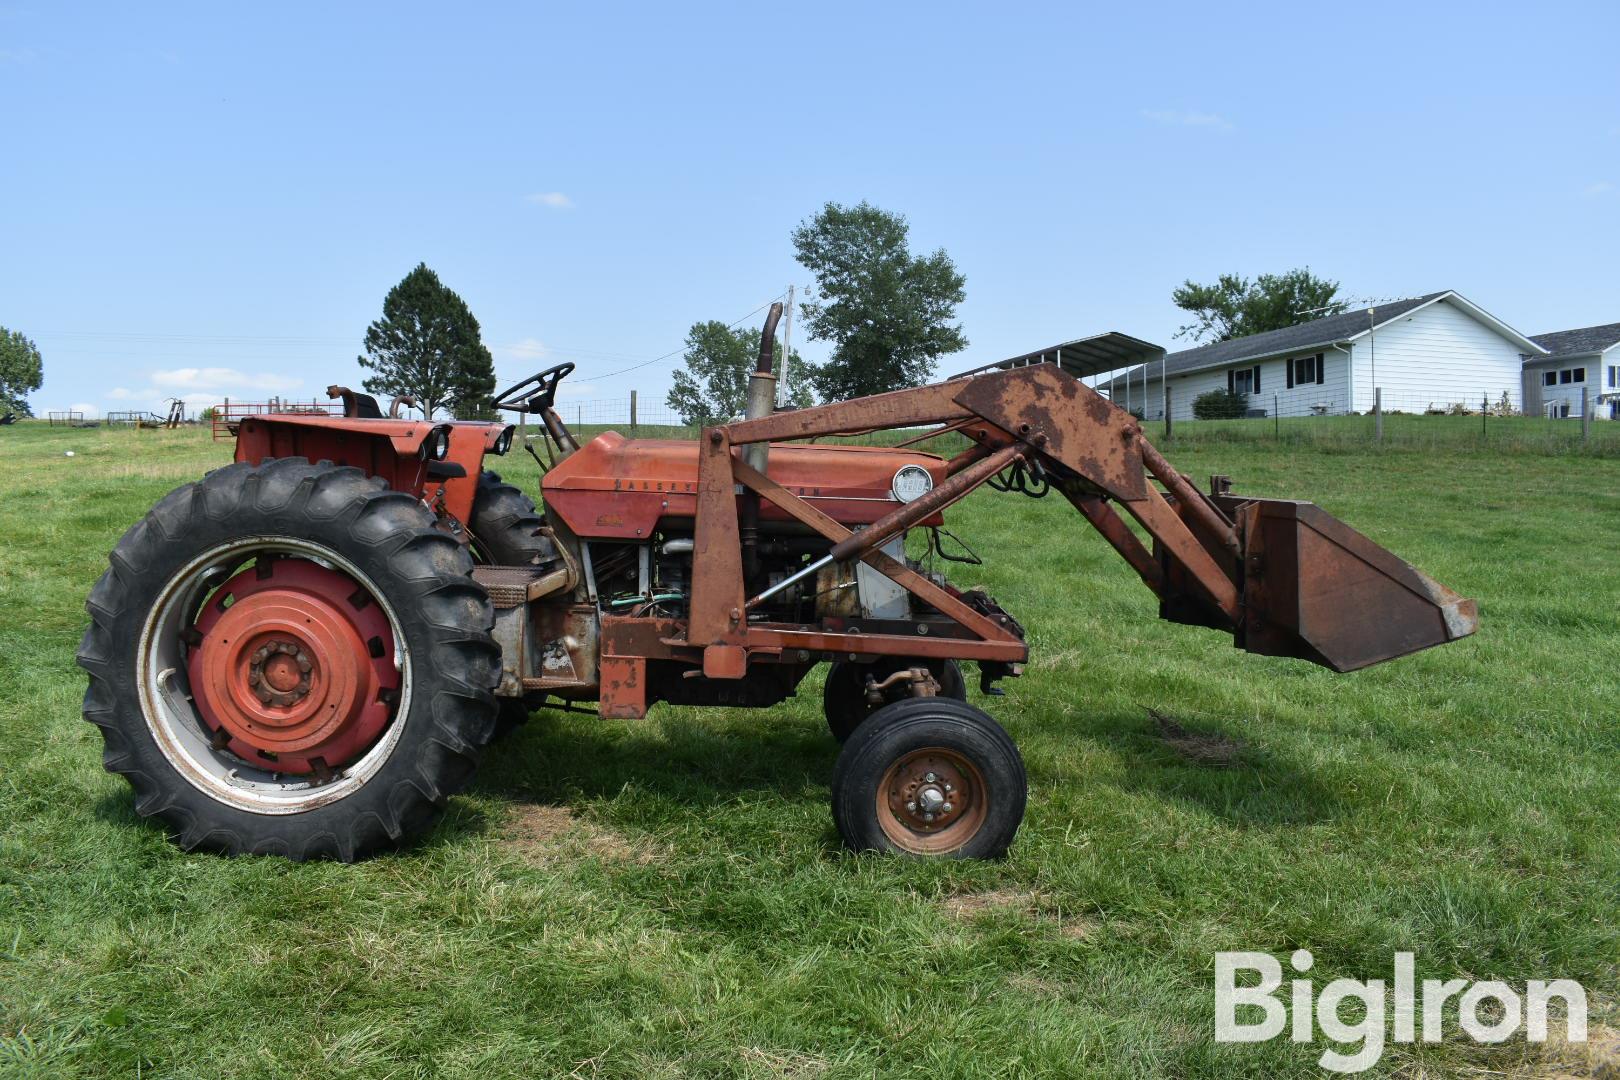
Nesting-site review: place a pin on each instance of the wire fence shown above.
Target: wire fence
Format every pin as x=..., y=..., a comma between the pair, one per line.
x=1310, y=415
x=1494, y=420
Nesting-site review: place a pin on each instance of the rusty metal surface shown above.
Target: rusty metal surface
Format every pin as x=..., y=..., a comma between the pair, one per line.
x=899, y=408
x=1065, y=420
x=508, y=586
x=1160, y=519
x=1112, y=527
x=943, y=495
x=1319, y=590
x=618, y=488
x=945, y=601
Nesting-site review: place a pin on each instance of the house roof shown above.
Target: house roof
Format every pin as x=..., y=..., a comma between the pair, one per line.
x=1582, y=342
x=1316, y=334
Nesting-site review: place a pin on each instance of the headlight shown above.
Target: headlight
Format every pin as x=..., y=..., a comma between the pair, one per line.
x=504, y=443
x=911, y=482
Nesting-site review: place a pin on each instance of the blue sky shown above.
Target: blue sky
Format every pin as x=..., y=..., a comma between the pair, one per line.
x=212, y=199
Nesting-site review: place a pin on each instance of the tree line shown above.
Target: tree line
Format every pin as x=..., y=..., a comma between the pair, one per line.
x=887, y=313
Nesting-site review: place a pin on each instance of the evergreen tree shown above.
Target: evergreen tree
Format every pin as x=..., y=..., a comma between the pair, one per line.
x=427, y=345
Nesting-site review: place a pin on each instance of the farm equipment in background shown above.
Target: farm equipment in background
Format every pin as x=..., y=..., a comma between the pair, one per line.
x=306, y=651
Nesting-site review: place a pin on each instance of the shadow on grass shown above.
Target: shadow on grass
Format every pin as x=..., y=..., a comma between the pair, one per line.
x=1217, y=773
x=697, y=762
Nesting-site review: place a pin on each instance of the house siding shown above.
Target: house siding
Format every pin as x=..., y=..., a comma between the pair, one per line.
x=1330, y=396
x=1435, y=357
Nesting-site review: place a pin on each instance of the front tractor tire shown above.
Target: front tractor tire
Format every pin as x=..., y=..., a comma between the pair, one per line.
x=506, y=528
x=290, y=659
x=930, y=777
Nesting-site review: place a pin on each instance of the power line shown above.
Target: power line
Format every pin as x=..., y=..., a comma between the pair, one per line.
x=676, y=352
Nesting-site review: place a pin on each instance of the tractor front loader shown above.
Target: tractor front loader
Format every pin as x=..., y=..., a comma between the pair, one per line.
x=307, y=651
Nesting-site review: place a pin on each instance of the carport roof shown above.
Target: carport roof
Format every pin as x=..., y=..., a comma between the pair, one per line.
x=1082, y=357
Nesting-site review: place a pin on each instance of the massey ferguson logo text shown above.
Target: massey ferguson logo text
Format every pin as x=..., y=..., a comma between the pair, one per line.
x=1416, y=1011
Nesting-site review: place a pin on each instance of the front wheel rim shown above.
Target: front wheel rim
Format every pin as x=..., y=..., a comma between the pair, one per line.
x=932, y=801
x=292, y=703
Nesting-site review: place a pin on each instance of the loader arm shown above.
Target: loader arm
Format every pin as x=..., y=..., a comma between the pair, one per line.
x=1285, y=578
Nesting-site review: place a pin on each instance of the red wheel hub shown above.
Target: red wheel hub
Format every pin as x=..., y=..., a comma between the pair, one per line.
x=294, y=671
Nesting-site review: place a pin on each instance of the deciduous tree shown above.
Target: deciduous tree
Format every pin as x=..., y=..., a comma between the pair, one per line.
x=714, y=385
x=1236, y=307
x=888, y=313
x=21, y=371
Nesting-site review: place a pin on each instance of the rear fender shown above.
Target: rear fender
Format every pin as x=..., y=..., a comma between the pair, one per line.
x=397, y=451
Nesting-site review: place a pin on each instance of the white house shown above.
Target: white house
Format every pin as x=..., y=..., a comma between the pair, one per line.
x=1586, y=359
x=1427, y=353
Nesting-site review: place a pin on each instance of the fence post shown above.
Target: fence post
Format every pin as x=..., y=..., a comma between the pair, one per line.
x=1484, y=412
x=1167, y=413
x=1276, y=418
x=632, y=414
x=1378, y=415
x=1586, y=414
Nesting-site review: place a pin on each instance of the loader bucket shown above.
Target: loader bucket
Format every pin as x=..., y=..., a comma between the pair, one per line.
x=1316, y=589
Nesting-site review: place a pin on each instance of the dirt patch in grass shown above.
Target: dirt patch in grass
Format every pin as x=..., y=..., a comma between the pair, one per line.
x=1200, y=748
x=1598, y=1058
x=1029, y=903
x=787, y=1064
x=546, y=833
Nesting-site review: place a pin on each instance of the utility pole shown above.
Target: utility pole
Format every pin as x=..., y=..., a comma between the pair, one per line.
x=787, y=350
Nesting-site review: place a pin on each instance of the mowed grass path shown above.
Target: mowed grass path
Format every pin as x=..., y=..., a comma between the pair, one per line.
x=668, y=897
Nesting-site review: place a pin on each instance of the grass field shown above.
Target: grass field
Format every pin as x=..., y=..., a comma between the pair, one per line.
x=667, y=897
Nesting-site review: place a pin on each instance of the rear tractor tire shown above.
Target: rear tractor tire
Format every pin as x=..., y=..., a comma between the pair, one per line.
x=506, y=532
x=843, y=697
x=930, y=777
x=290, y=659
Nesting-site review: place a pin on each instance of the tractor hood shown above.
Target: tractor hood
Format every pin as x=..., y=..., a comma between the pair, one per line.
x=618, y=488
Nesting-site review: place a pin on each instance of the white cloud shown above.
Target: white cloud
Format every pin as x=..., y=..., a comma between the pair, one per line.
x=85, y=407
x=220, y=378
x=1600, y=187
x=1188, y=118
x=556, y=200
x=119, y=393
x=528, y=348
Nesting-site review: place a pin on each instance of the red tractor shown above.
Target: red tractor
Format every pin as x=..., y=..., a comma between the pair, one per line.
x=305, y=652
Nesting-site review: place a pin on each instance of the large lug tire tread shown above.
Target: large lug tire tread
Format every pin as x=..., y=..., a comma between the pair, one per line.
x=507, y=526
x=914, y=724
x=843, y=695
x=445, y=619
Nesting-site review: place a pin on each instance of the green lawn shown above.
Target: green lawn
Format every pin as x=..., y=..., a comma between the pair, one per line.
x=667, y=897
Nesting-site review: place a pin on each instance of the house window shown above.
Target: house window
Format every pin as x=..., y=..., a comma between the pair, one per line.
x=1243, y=380
x=1549, y=378
x=1303, y=370
x=1563, y=376
x=1614, y=376
x=1580, y=374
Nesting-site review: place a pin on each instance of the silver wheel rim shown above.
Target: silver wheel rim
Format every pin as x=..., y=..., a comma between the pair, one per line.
x=173, y=720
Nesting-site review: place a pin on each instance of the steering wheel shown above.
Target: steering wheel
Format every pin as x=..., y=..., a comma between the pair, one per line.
x=520, y=398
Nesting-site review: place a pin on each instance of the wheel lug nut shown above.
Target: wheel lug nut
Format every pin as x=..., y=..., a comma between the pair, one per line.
x=928, y=817
x=912, y=807
x=949, y=788
x=929, y=778
x=945, y=809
